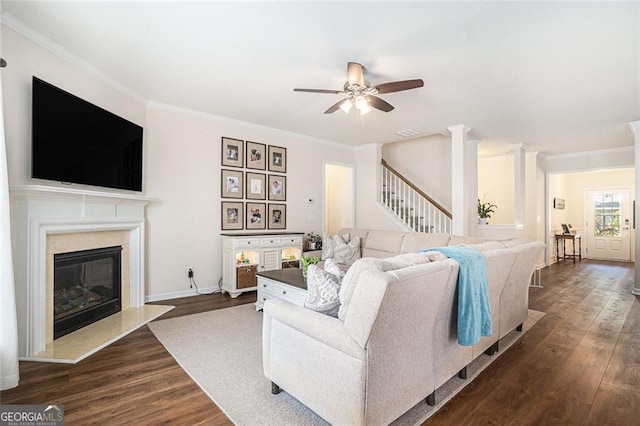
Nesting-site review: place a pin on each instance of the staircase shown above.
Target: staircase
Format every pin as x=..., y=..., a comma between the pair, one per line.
x=410, y=205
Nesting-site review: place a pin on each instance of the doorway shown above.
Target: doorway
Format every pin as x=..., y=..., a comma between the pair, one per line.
x=607, y=220
x=339, y=197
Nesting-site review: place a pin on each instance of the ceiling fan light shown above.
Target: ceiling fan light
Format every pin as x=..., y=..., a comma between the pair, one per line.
x=346, y=106
x=364, y=110
x=361, y=103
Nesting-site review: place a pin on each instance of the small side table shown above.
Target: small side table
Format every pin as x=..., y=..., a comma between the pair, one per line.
x=573, y=255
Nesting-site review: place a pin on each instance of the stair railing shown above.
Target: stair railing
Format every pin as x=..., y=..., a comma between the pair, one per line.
x=410, y=204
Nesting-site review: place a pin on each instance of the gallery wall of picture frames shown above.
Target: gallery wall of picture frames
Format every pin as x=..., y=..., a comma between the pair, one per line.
x=251, y=191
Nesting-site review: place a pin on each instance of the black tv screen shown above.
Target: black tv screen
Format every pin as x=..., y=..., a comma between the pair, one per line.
x=74, y=141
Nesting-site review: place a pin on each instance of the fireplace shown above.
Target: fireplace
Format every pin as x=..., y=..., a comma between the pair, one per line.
x=87, y=288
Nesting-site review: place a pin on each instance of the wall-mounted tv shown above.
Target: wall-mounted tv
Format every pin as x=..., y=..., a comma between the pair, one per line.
x=74, y=141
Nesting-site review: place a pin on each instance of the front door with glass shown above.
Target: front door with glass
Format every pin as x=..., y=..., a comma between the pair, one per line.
x=608, y=224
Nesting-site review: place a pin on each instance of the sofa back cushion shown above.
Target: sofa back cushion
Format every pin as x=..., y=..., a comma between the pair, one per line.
x=352, y=278
x=382, y=244
x=416, y=241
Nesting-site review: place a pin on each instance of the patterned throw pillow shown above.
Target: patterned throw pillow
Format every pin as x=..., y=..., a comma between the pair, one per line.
x=332, y=267
x=345, y=254
x=322, y=291
x=329, y=243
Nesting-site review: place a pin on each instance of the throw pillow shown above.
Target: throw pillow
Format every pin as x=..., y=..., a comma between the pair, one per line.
x=332, y=267
x=329, y=243
x=352, y=276
x=322, y=291
x=345, y=254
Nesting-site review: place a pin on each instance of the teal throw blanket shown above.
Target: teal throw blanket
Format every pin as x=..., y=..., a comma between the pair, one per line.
x=474, y=309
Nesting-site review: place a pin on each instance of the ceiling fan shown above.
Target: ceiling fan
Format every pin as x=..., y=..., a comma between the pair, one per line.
x=361, y=94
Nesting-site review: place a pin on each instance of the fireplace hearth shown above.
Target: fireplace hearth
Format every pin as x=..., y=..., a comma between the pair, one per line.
x=87, y=288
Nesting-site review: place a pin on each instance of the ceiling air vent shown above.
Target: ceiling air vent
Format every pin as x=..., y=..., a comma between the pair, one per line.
x=408, y=133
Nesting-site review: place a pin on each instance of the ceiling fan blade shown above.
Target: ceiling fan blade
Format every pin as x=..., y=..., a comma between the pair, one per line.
x=355, y=74
x=378, y=103
x=335, y=106
x=333, y=92
x=398, y=86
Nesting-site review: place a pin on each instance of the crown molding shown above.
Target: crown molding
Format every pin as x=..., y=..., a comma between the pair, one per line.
x=45, y=42
x=209, y=116
x=591, y=153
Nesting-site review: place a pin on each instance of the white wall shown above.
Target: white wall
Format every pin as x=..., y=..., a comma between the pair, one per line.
x=496, y=186
x=426, y=162
x=27, y=59
x=572, y=186
x=182, y=167
x=182, y=156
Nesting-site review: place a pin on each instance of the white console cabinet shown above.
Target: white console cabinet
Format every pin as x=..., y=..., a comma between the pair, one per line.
x=244, y=255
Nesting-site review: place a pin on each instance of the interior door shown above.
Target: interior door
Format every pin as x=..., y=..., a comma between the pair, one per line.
x=608, y=224
x=339, y=197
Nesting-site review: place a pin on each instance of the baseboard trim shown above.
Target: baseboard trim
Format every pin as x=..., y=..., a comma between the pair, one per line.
x=179, y=294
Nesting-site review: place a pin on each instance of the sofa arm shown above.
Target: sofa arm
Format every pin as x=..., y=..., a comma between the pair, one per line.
x=323, y=328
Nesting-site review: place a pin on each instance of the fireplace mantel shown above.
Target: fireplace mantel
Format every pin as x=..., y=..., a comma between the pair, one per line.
x=38, y=211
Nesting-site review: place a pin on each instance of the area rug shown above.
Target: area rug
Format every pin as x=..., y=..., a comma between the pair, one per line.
x=222, y=352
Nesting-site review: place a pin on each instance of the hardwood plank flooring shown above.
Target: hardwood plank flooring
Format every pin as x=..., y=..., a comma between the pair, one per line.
x=578, y=366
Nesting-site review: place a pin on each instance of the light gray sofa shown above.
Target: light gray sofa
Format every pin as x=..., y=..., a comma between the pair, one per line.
x=395, y=341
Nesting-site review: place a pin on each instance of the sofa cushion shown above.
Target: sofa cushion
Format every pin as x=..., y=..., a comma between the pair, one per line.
x=487, y=245
x=352, y=276
x=322, y=291
x=329, y=243
x=416, y=241
x=345, y=254
x=382, y=243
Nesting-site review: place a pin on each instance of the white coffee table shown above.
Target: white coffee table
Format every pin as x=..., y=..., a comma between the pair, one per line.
x=286, y=284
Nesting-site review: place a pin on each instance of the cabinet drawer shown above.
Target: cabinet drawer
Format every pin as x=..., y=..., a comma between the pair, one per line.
x=266, y=242
x=294, y=241
x=246, y=276
x=247, y=242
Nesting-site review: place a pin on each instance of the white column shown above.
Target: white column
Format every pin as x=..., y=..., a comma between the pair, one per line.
x=519, y=184
x=635, y=128
x=464, y=177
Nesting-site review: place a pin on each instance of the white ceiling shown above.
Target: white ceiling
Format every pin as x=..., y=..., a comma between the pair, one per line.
x=557, y=77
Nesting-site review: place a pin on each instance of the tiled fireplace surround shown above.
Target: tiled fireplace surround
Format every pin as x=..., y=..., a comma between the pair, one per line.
x=49, y=220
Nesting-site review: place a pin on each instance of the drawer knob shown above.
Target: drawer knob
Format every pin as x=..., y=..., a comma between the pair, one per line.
x=284, y=292
x=272, y=241
x=264, y=285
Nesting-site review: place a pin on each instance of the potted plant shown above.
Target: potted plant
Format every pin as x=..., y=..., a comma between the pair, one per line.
x=306, y=261
x=484, y=211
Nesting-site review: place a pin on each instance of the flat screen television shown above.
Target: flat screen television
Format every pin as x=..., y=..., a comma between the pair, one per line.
x=74, y=141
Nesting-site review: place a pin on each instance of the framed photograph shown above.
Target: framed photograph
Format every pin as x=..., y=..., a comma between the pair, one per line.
x=277, y=159
x=558, y=203
x=232, y=215
x=277, y=188
x=256, y=186
x=256, y=216
x=256, y=156
x=232, y=184
x=277, y=216
x=232, y=152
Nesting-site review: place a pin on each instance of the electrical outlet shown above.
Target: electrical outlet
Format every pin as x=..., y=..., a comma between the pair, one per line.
x=190, y=273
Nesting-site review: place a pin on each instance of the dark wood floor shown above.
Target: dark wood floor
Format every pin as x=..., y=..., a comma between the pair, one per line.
x=580, y=365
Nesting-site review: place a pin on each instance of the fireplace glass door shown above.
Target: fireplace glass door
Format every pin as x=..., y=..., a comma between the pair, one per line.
x=87, y=288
